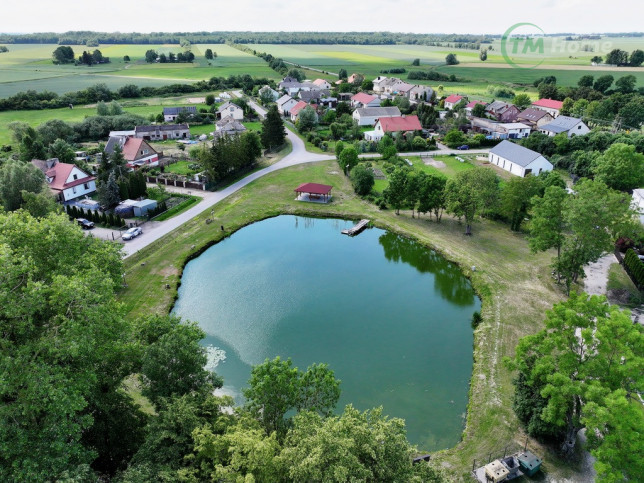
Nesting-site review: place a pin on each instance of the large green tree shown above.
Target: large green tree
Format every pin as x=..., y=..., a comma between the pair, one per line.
x=273, y=131
x=362, y=179
x=516, y=198
x=471, y=192
x=620, y=167
x=17, y=177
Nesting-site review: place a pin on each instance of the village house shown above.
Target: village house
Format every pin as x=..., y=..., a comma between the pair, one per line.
x=161, y=132
x=295, y=111
x=314, y=95
x=382, y=84
x=230, y=109
x=170, y=114
x=502, y=111
x=367, y=116
x=322, y=84
x=551, y=106
x=420, y=93
x=268, y=91
x=352, y=78
x=518, y=160
x=65, y=180
x=292, y=86
x=362, y=99
x=452, y=100
x=136, y=151
x=572, y=126
x=500, y=130
x=285, y=104
x=469, y=107
x=398, y=88
x=534, y=118
x=403, y=124
x=228, y=127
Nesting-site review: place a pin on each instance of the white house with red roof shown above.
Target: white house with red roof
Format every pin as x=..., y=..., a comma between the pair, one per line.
x=385, y=125
x=471, y=105
x=299, y=107
x=452, y=100
x=322, y=84
x=136, y=151
x=362, y=99
x=66, y=180
x=551, y=106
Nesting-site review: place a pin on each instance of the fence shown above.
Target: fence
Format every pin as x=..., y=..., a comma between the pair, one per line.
x=175, y=182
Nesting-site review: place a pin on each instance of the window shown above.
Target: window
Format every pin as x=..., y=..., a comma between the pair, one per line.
x=86, y=186
x=75, y=177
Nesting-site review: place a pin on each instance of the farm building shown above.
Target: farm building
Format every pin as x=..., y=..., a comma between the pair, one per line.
x=572, y=126
x=518, y=160
x=66, y=180
x=162, y=132
x=551, y=106
x=170, y=114
x=367, y=116
x=136, y=151
x=229, y=109
x=384, y=125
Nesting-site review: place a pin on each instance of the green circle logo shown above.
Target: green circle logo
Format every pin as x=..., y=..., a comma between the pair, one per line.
x=526, y=43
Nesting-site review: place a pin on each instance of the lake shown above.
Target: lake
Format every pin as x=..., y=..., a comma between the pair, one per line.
x=390, y=317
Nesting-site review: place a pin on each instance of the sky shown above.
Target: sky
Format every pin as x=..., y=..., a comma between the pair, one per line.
x=429, y=16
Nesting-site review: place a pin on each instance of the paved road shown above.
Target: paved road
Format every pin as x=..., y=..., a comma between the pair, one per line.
x=298, y=155
x=261, y=112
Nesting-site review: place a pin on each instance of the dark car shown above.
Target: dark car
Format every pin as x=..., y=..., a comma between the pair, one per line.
x=464, y=147
x=85, y=224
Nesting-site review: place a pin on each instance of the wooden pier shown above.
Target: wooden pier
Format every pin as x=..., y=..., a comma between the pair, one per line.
x=357, y=228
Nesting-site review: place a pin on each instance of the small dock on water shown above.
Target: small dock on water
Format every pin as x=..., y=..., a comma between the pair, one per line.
x=357, y=228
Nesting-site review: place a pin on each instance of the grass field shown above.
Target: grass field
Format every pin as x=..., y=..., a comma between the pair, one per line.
x=514, y=284
x=442, y=165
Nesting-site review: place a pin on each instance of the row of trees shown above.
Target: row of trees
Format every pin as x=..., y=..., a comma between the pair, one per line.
x=621, y=57
x=229, y=155
x=106, y=219
x=153, y=56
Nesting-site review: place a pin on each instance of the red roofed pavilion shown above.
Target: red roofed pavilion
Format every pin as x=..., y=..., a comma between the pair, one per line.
x=314, y=192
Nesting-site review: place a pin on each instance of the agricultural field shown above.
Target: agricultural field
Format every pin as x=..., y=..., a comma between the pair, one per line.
x=28, y=66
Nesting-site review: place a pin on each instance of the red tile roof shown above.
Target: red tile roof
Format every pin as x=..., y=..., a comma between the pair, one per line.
x=314, y=188
x=454, y=98
x=298, y=107
x=319, y=82
x=474, y=103
x=131, y=148
x=60, y=172
x=363, y=97
x=400, y=123
x=548, y=103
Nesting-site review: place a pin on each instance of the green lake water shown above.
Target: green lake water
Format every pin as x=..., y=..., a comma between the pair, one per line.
x=389, y=316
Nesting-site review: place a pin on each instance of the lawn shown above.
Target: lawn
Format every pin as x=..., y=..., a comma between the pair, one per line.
x=515, y=286
x=181, y=167
x=188, y=202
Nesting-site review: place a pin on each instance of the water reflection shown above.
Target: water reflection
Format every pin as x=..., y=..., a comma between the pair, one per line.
x=448, y=279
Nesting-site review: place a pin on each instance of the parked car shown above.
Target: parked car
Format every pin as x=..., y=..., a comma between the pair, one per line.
x=464, y=147
x=132, y=233
x=85, y=223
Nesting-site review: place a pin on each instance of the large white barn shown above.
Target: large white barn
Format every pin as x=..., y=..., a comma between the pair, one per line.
x=518, y=160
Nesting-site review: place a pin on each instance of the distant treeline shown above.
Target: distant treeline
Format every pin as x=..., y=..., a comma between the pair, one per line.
x=374, y=38
x=100, y=92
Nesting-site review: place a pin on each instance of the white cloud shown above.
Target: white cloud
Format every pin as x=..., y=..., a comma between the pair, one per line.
x=465, y=16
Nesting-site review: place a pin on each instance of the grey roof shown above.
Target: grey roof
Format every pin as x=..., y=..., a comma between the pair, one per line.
x=161, y=127
x=515, y=153
x=378, y=111
x=230, y=125
x=532, y=114
x=113, y=142
x=497, y=106
x=173, y=111
x=226, y=105
x=283, y=99
x=312, y=95
x=561, y=124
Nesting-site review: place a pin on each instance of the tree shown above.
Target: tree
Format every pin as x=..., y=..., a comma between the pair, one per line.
x=597, y=59
x=342, y=108
x=586, y=81
x=522, y=101
x=16, y=178
x=567, y=106
x=617, y=57
x=151, y=55
x=126, y=58
x=470, y=192
x=63, y=151
x=432, y=195
x=478, y=110
x=273, y=131
x=367, y=85
x=620, y=167
x=342, y=74
x=455, y=138
x=102, y=109
x=208, y=54
x=362, y=179
x=637, y=58
x=483, y=55
x=582, y=366
x=348, y=159
x=547, y=222
x=296, y=74
x=396, y=192
x=40, y=204
x=516, y=198
x=109, y=192
x=63, y=55
x=548, y=91
x=632, y=114
x=415, y=62
x=450, y=59
x=603, y=83
x=307, y=119
x=626, y=84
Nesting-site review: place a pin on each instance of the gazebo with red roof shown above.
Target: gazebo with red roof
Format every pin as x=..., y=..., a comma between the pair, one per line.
x=314, y=192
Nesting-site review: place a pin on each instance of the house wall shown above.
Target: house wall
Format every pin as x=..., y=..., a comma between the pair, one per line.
x=80, y=190
x=539, y=165
x=234, y=112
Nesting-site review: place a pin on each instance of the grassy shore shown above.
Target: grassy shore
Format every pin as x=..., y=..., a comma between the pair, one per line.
x=514, y=284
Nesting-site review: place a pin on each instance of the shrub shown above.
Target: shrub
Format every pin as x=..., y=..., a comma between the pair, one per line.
x=476, y=319
x=634, y=267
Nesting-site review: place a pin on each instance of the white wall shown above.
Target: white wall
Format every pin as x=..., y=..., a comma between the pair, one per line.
x=80, y=190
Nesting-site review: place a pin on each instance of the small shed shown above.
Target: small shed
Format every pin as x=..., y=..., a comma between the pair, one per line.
x=142, y=207
x=125, y=208
x=314, y=192
x=529, y=462
x=495, y=471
